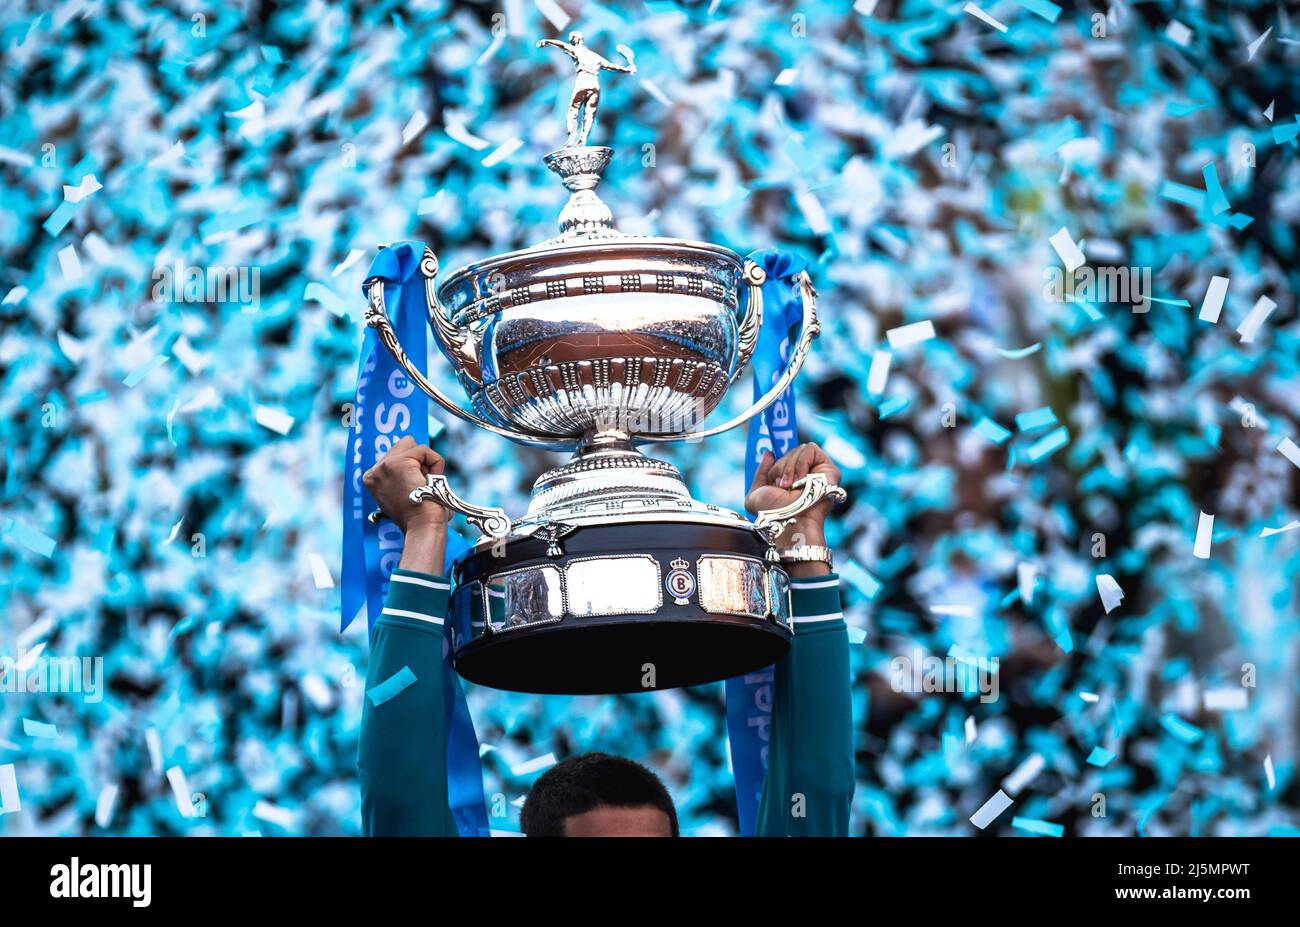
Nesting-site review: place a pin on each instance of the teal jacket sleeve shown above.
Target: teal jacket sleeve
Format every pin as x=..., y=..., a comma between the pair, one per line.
x=810, y=769
x=402, y=756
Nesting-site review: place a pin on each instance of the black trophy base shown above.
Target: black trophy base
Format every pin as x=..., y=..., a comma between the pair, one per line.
x=530, y=621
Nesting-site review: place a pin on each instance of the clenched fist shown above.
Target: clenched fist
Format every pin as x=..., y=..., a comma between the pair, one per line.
x=773, y=488
x=405, y=467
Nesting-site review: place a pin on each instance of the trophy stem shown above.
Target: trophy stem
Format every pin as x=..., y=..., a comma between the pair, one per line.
x=585, y=215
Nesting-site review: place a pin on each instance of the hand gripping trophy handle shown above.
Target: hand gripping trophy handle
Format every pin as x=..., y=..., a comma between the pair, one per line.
x=493, y=522
x=815, y=488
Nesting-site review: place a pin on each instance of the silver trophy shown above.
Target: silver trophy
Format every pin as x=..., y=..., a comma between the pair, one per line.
x=596, y=341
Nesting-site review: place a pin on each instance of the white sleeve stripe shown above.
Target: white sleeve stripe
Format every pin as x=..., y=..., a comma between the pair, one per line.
x=814, y=584
x=805, y=619
x=416, y=581
x=401, y=613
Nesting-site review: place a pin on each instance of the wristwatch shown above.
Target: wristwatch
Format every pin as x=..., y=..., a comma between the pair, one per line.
x=806, y=553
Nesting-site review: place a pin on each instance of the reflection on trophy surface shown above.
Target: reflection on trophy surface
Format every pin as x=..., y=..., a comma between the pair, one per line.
x=597, y=341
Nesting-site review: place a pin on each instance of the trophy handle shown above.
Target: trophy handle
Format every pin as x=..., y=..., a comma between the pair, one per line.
x=377, y=318
x=808, y=331
x=747, y=335
x=815, y=488
x=455, y=342
x=493, y=522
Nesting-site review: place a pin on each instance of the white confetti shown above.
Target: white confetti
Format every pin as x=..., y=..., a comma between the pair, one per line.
x=274, y=814
x=534, y=765
x=154, y=743
x=554, y=12
x=1204, y=536
x=991, y=809
x=953, y=611
x=1026, y=579
x=105, y=804
x=69, y=263
x=878, y=375
x=1070, y=253
x=979, y=14
x=1024, y=774
x=1212, y=305
x=180, y=791
x=1178, y=33
x=320, y=573
x=89, y=184
x=908, y=335
x=812, y=210
x=414, y=126
x=9, y=799
x=71, y=347
x=1255, y=318
x=1111, y=594
x=1289, y=526
x=1254, y=46
x=192, y=360
x=1226, y=699
x=786, y=77
x=276, y=420
x=354, y=255
x=1289, y=450
x=458, y=133
x=503, y=151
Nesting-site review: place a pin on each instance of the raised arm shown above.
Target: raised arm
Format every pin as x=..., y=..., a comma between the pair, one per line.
x=562, y=46
x=406, y=717
x=810, y=772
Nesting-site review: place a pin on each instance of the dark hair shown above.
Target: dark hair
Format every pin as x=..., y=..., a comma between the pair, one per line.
x=587, y=781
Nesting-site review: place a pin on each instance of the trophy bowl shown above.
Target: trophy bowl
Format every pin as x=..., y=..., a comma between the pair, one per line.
x=642, y=335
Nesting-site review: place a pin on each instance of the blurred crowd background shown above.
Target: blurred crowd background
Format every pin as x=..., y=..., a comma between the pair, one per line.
x=171, y=473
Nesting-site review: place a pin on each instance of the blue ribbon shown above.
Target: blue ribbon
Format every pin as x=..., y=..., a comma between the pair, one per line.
x=749, y=697
x=388, y=406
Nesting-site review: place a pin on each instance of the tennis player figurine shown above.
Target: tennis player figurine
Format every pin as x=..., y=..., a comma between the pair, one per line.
x=586, y=89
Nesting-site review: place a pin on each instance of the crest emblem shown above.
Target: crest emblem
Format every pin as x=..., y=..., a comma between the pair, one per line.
x=680, y=582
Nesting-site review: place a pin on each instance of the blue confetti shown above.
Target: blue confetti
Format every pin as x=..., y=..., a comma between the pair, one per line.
x=391, y=686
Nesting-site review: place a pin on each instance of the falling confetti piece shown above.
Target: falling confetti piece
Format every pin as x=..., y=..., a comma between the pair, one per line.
x=391, y=687
x=320, y=573
x=907, y=335
x=878, y=375
x=991, y=809
x=276, y=420
x=9, y=799
x=1213, y=302
x=1249, y=326
x=1100, y=757
x=979, y=14
x=1231, y=699
x=1111, y=594
x=1066, y=249
x=1204, y=536
x=537, y=764
x=1041, y=828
